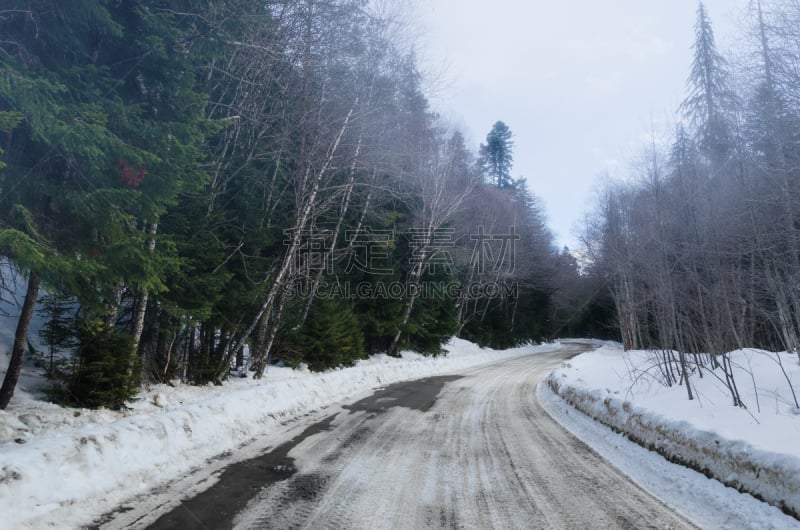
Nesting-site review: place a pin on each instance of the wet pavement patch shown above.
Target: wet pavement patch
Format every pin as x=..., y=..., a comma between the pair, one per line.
x=418, y=395
x=238, y=484
x=306, y=487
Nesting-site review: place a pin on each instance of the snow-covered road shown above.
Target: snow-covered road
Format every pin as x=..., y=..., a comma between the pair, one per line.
x=472, y=450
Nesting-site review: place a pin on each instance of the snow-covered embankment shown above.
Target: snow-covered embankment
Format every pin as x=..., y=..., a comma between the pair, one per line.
x=754, y=450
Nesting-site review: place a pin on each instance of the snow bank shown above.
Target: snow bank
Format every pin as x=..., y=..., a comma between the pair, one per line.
x=754, y=450
x=68, y=467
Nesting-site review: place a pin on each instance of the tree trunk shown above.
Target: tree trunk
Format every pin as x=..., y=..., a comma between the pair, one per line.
x=343, y=209
x=141, y=306
x=113, y=314
x=20, y=341
x=270, y=340
x=302, y=219
x=415, y=276
x=392, y=351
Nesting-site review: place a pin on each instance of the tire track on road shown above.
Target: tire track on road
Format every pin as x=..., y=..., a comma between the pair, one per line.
x=471, y=451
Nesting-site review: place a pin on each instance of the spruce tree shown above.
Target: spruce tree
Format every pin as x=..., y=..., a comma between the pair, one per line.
x=330, y=337
x=58, y=332
x=496, y=155
x=113, y=129
x=711, y=100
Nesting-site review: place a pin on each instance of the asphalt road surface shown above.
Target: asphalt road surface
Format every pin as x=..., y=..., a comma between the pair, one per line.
x=472, y=450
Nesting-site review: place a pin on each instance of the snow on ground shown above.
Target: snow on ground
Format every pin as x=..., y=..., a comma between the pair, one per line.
x=706, y=502
x=755, y=449
x=65, y=467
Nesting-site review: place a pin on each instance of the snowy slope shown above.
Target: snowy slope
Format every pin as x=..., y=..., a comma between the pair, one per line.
x=753, y=449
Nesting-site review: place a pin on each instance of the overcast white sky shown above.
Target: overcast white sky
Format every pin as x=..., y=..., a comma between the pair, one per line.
x=577, y=81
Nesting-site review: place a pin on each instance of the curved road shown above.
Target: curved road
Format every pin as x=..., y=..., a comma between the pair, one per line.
x=469, y=451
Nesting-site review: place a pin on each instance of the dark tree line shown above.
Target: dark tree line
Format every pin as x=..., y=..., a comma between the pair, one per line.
x=702, y=250
x=197, y=185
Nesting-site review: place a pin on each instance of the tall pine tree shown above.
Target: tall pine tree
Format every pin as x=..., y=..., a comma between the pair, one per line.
x=711, y=100
x=496, y=155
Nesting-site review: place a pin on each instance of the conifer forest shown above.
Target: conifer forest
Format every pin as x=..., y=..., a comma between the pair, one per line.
x=195, y=189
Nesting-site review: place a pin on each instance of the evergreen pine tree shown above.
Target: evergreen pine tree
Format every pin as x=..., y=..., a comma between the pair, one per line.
x=710, y=100
x=103, y=149
x=106, y=374
x=330, y=337
x=496, y=155
x=58, y=332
